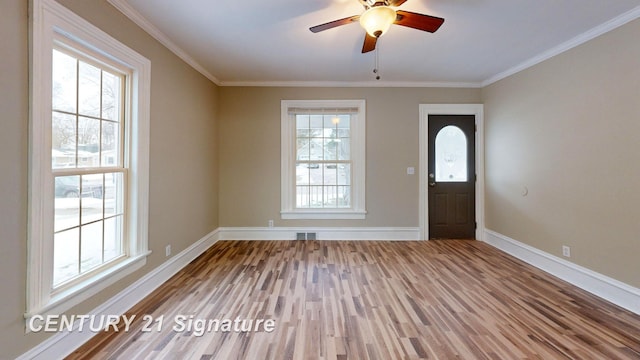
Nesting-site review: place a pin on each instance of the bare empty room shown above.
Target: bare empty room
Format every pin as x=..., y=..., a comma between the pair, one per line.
x=320, y=179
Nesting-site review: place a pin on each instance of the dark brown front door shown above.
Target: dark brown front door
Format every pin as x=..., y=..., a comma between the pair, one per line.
x=451, y=178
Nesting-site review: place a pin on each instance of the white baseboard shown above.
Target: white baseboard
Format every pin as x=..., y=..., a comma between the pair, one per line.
x=612, y=290
x=63, y=343
x=322, y=233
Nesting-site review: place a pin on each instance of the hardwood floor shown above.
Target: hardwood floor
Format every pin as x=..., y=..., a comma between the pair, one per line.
x=446, y=299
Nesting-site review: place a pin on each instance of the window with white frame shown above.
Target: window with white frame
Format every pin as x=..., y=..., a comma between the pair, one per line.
x=88, y=194
x=323, y=159
x=87, y=129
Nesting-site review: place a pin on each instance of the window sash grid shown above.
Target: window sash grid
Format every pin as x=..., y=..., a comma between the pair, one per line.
x=303, y=194
x=61, y=45
x=121, y=235
x=124, y=239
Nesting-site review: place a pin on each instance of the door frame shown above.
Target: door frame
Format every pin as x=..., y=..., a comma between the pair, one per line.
x=451, y=109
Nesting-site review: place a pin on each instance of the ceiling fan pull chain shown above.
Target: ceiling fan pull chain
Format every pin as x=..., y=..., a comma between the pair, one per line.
x=377, y=63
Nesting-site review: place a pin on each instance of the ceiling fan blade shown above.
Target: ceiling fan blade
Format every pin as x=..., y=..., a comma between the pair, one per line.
x=369, y=43
x=335, y=23
x=418, y=21
x=396, y=2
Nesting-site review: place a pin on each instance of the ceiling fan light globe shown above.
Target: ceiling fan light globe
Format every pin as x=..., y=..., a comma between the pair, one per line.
x=377, y=20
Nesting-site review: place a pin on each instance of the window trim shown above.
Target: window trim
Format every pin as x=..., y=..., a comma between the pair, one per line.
x=288, y=161
x=48, y=21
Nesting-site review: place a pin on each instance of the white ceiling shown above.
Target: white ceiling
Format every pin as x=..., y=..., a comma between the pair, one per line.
x=255, y=42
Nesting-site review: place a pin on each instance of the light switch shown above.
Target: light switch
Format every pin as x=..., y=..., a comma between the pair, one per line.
x=411, y=170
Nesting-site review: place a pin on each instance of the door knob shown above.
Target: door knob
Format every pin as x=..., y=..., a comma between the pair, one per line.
x=432, y=184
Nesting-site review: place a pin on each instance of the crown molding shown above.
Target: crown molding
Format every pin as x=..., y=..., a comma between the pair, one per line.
x=367, y=84
x=568, y=45
x=124, y=7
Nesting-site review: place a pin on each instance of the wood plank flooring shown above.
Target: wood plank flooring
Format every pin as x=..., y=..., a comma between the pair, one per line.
x=446, y=299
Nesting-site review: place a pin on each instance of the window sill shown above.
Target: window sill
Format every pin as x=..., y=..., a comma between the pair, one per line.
x=66, y=299
x=316, y=214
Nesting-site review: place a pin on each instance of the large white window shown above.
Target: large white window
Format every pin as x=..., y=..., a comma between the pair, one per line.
x=323, y=159
x=88, y=194
x=87, y=162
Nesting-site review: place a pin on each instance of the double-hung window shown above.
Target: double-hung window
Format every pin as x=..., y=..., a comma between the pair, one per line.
x=87, y=163
x=323, y=159
x=88, y=160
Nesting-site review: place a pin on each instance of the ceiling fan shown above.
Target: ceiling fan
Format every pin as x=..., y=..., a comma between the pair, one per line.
x=379, y=16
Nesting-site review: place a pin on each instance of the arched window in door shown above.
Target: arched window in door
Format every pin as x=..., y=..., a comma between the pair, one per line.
x=451, y=155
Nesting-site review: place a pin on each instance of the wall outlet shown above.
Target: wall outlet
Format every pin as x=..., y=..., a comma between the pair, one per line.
x=270, y=223
x=566, y=251
x=167, y=251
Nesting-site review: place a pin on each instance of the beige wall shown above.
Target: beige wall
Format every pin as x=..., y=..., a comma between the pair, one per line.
x=569, y=130
x=183, y=164
x=250, y=151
